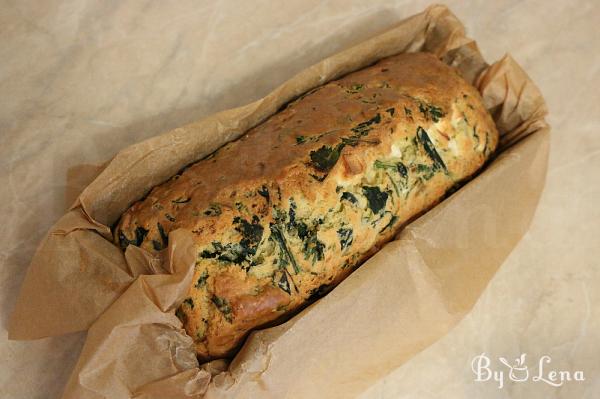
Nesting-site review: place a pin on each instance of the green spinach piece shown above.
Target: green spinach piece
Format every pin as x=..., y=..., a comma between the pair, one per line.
x=355, y=88
x=229, y=253
x=264, y=192
x=431, y=111
x=402, y=170
x=181, y=315
x=202, y=279
x=424, y=139
x=251, y=232
x=376, y=198
x=164, y=239
x=345, y=236
x=223, y=306
x=426, y=171
x=277, y=235
x=140, y=235
x=325, y=158
x=238, y=253
x=391, y=223
x=318, y=178
x=396, y=166
x=283, y=283
x=363, y=128
x=313, y=248
x=213, y=210
x=157, y=245
x=292, y=214
x=189, y=302
x=348, y=196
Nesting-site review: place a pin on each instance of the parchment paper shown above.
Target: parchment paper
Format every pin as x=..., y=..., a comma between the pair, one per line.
x=403, y=299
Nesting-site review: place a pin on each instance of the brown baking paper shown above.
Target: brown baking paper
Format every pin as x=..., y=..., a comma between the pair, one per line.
x=400, y=301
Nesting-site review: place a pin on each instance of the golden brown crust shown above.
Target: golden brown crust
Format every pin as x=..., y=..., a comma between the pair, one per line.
x=300, y=200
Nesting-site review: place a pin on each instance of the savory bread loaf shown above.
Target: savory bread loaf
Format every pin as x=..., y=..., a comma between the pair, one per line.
x=294, y=205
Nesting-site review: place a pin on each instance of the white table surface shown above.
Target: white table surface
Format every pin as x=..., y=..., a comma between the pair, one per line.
x=81, y=79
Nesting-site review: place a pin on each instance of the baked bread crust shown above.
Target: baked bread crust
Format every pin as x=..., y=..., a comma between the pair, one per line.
x=294, y=205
